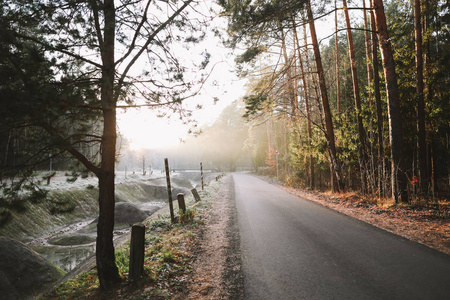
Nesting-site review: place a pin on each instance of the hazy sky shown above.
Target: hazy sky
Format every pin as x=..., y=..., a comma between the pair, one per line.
x=148, y=131
x=145, y=130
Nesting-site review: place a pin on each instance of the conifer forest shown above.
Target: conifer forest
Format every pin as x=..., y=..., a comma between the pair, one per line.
x=365, y=108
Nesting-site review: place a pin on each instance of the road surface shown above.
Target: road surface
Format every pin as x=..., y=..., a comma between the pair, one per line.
x=296, y=249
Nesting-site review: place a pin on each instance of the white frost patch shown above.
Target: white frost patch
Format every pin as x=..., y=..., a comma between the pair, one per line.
x=59, y=181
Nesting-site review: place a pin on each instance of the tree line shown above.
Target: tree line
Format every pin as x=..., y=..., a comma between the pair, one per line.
x=364, y=109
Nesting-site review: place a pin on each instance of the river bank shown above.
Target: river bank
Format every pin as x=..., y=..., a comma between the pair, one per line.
x=62, y=228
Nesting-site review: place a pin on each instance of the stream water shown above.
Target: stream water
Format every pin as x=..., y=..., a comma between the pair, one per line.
x=67, y=238
x=71, y=245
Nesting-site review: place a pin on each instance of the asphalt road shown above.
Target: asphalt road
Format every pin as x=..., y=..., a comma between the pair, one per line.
x=296, y=249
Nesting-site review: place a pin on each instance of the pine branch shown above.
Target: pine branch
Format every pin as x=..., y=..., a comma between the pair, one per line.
x=51, y=47
x=66, y=146
x=150, y=39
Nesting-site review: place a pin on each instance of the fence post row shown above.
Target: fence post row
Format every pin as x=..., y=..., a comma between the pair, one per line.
x=137, y=243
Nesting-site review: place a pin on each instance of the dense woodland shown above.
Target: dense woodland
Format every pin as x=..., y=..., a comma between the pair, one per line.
x=337, y=113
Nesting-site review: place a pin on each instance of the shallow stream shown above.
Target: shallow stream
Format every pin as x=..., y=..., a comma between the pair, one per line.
x=71, y=245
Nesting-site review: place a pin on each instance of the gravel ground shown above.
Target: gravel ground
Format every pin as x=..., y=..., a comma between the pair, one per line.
x=217, y=268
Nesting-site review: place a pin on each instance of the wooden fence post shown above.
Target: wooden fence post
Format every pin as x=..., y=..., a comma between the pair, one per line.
x=181, y=203
x=196, y=195
x=137, y=249
x=201, y=171
x=169, y=190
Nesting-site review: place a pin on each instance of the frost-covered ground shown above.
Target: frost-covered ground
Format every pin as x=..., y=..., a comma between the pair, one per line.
x=60, y=180
x=128, y=186
x=66, y=235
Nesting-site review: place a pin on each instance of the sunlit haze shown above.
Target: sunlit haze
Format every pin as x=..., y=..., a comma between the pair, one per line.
x=144, y=130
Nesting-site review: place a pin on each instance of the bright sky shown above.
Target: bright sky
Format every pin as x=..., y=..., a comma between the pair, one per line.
x=144, y=130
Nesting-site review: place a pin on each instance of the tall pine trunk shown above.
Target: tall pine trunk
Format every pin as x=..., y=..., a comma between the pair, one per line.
x=108, y=272
x=420, y=100
x=379, y=109
x=334, y=163
x=429, y=8
x=336, y=45
x=357, y=97
x=288, y=69
x=308, y=111
x=370, y=151
x=398, y=163
x=368, y=53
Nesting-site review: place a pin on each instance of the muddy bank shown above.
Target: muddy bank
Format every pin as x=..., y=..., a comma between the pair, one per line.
x=67, y=204
x=23, y=272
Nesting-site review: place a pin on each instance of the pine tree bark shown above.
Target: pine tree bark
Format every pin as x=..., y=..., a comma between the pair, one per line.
x=429, y=7
x=420, y=99
x=370, y=150
x=334, y=163
x=288, y=69
x=398, y=163
x=108, y=272
x=357, y=97
x=336, y=45
x=379, y=109
x=308, y=112
x=368, y=52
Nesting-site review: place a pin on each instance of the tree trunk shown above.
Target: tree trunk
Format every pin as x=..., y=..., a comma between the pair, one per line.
x=368, y=51
x=370, y=151
x=338, y=77
x=398, y=162
x=376, y=91
x=308, y=113
x=357, y=97
x=420, y=100
x=290, y=81
x=108, y=272
x=334, y=164
x=427, y=31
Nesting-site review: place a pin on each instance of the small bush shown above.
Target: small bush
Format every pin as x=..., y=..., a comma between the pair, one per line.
x=294, y=181
x=188, y=216
x=57, y=206
x=123, y=260
x=5, y=216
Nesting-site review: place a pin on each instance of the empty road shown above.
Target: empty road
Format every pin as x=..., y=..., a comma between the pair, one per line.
x=296, y=249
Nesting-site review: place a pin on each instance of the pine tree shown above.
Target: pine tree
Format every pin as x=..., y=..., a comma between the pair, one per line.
x=100, y=45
